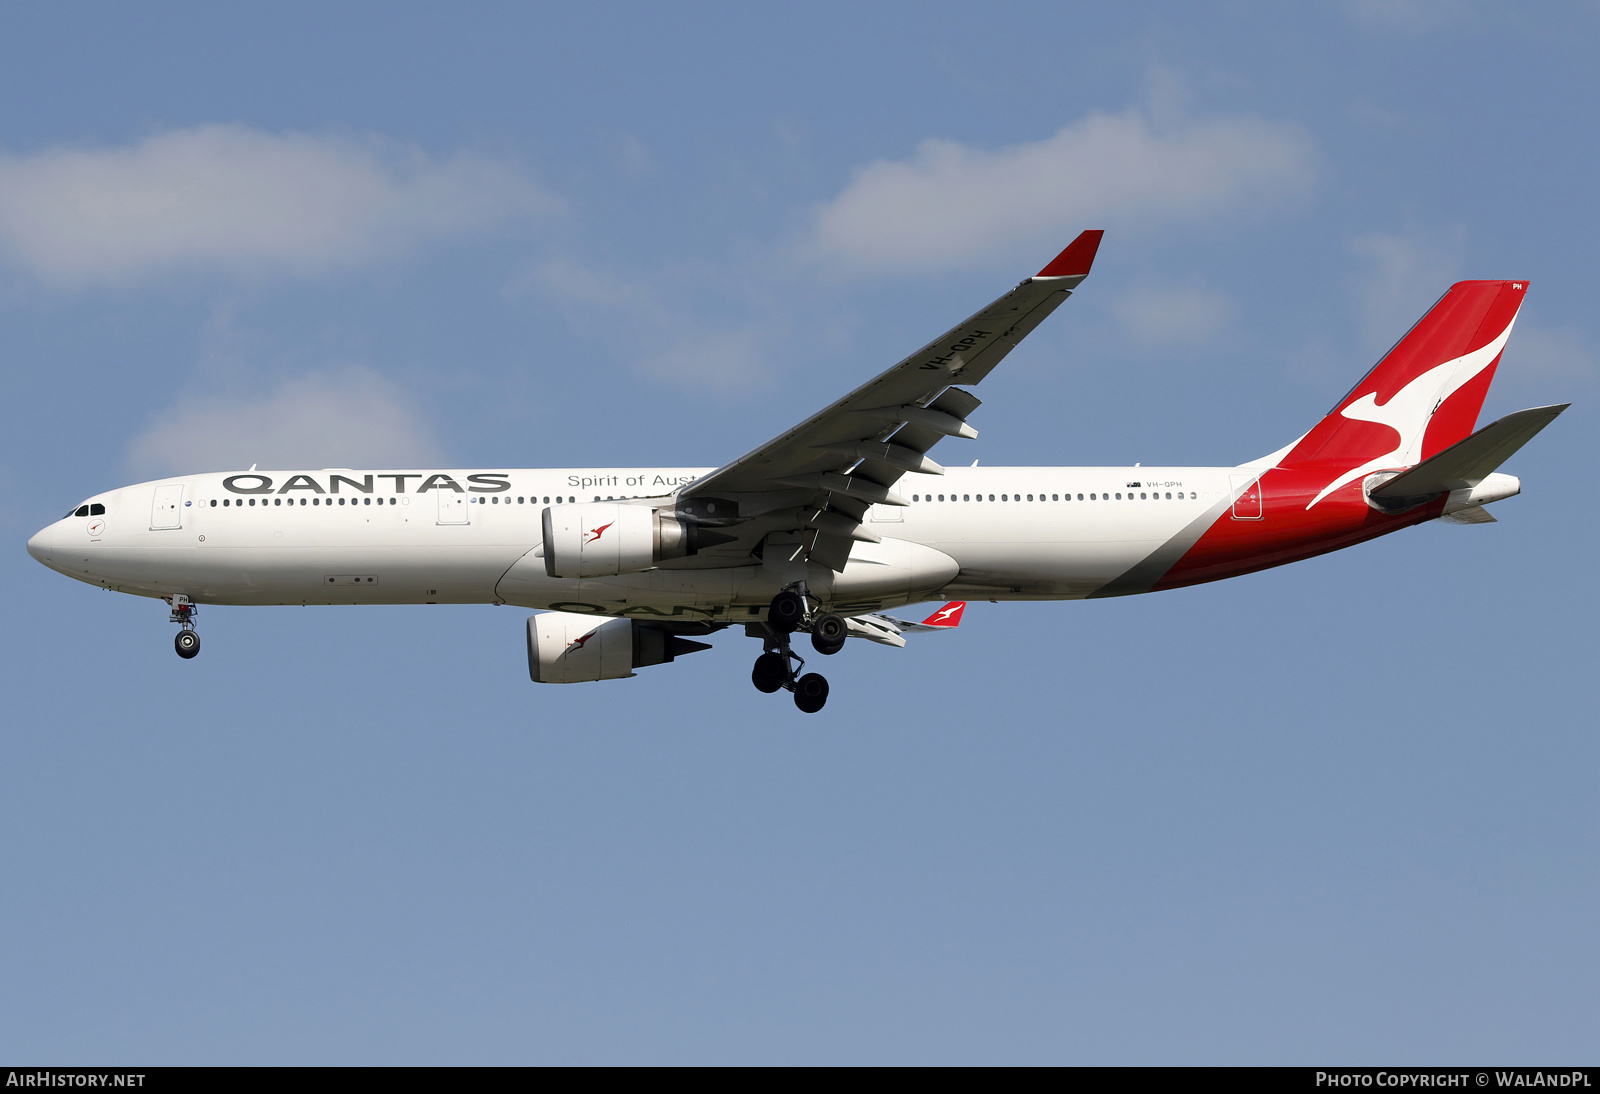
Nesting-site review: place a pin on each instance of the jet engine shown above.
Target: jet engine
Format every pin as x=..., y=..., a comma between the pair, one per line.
x=603, y=539
x=571, y=648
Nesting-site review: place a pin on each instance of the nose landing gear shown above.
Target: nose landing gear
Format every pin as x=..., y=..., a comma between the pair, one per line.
x=779, y=667
x=187, y=641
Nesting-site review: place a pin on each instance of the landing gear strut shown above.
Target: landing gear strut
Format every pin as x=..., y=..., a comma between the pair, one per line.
x=779, y=667
x=187, y=641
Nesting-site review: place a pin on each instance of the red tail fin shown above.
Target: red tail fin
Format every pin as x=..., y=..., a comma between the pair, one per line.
x=1424, y=395
x=947, y=616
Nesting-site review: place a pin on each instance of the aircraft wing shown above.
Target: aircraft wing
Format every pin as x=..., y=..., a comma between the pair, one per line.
x=821, y=476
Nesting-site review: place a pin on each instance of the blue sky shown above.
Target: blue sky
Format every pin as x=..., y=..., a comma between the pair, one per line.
x=1343, y=811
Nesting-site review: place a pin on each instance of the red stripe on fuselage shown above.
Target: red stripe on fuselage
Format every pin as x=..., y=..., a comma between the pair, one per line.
x=1287, y=530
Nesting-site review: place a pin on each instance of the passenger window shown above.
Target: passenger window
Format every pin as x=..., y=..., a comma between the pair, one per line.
x=941, y=497
x=966, y=497
x=1030, y=497
x=213, y=503
x=1055, y=497
x=1142, y=497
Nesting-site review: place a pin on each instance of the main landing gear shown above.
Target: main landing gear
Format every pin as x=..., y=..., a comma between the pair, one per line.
x=187, y=641
x=779, y=667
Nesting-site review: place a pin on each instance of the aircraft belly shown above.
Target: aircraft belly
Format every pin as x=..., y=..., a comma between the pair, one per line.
x=685, y=593
x=1052, y=561
x=368, y=574
x=878, y=575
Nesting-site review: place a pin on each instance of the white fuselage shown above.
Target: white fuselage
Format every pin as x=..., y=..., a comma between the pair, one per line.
x=358, y=537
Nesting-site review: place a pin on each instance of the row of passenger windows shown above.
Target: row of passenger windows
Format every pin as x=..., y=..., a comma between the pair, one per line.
x=1151, y=495
x=241, y=502
x=95, y=510
x=495, y=500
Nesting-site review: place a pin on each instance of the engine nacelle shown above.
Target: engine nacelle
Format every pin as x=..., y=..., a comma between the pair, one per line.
x=571, y=648
x=603, y=539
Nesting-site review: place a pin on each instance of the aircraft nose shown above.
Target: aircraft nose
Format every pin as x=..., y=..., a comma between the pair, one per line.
x=39, y=546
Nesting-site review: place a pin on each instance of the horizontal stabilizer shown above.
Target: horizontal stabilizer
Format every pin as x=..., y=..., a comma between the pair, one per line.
x=890, y=631
x=1467, y=463
x=876, y=628
x=1475, y=514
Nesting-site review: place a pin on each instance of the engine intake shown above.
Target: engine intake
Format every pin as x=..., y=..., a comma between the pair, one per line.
x=570, y=648
x=603, y=539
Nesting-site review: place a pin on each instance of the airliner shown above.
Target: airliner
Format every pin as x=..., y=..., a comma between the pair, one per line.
x=832, y=524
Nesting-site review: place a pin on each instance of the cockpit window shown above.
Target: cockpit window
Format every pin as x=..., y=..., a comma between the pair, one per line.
x=97, y=510
x=81, y=511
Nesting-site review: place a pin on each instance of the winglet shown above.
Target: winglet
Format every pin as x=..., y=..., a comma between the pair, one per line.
x=947, y=617
x=1077, y=258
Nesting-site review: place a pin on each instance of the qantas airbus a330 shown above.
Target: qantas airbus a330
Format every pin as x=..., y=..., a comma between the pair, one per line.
x=819, y=530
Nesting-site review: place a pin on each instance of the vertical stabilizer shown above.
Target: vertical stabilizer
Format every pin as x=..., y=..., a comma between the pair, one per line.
x=1423, y=396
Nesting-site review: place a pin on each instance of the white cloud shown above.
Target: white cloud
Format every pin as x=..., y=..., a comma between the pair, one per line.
x=1169, y=317
x=240, y=199
x=1410, y=16
x=633, y=157
x=1406, y=274
x=353, y=418
x=661, y=338
x=951, y=201
x=1549, y=353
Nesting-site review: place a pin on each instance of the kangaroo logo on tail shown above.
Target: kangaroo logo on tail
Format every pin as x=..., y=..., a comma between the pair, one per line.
x=1409, y=410
x=1423, y=396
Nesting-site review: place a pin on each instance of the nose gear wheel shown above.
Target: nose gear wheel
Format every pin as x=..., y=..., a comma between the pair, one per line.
x=186, y=642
